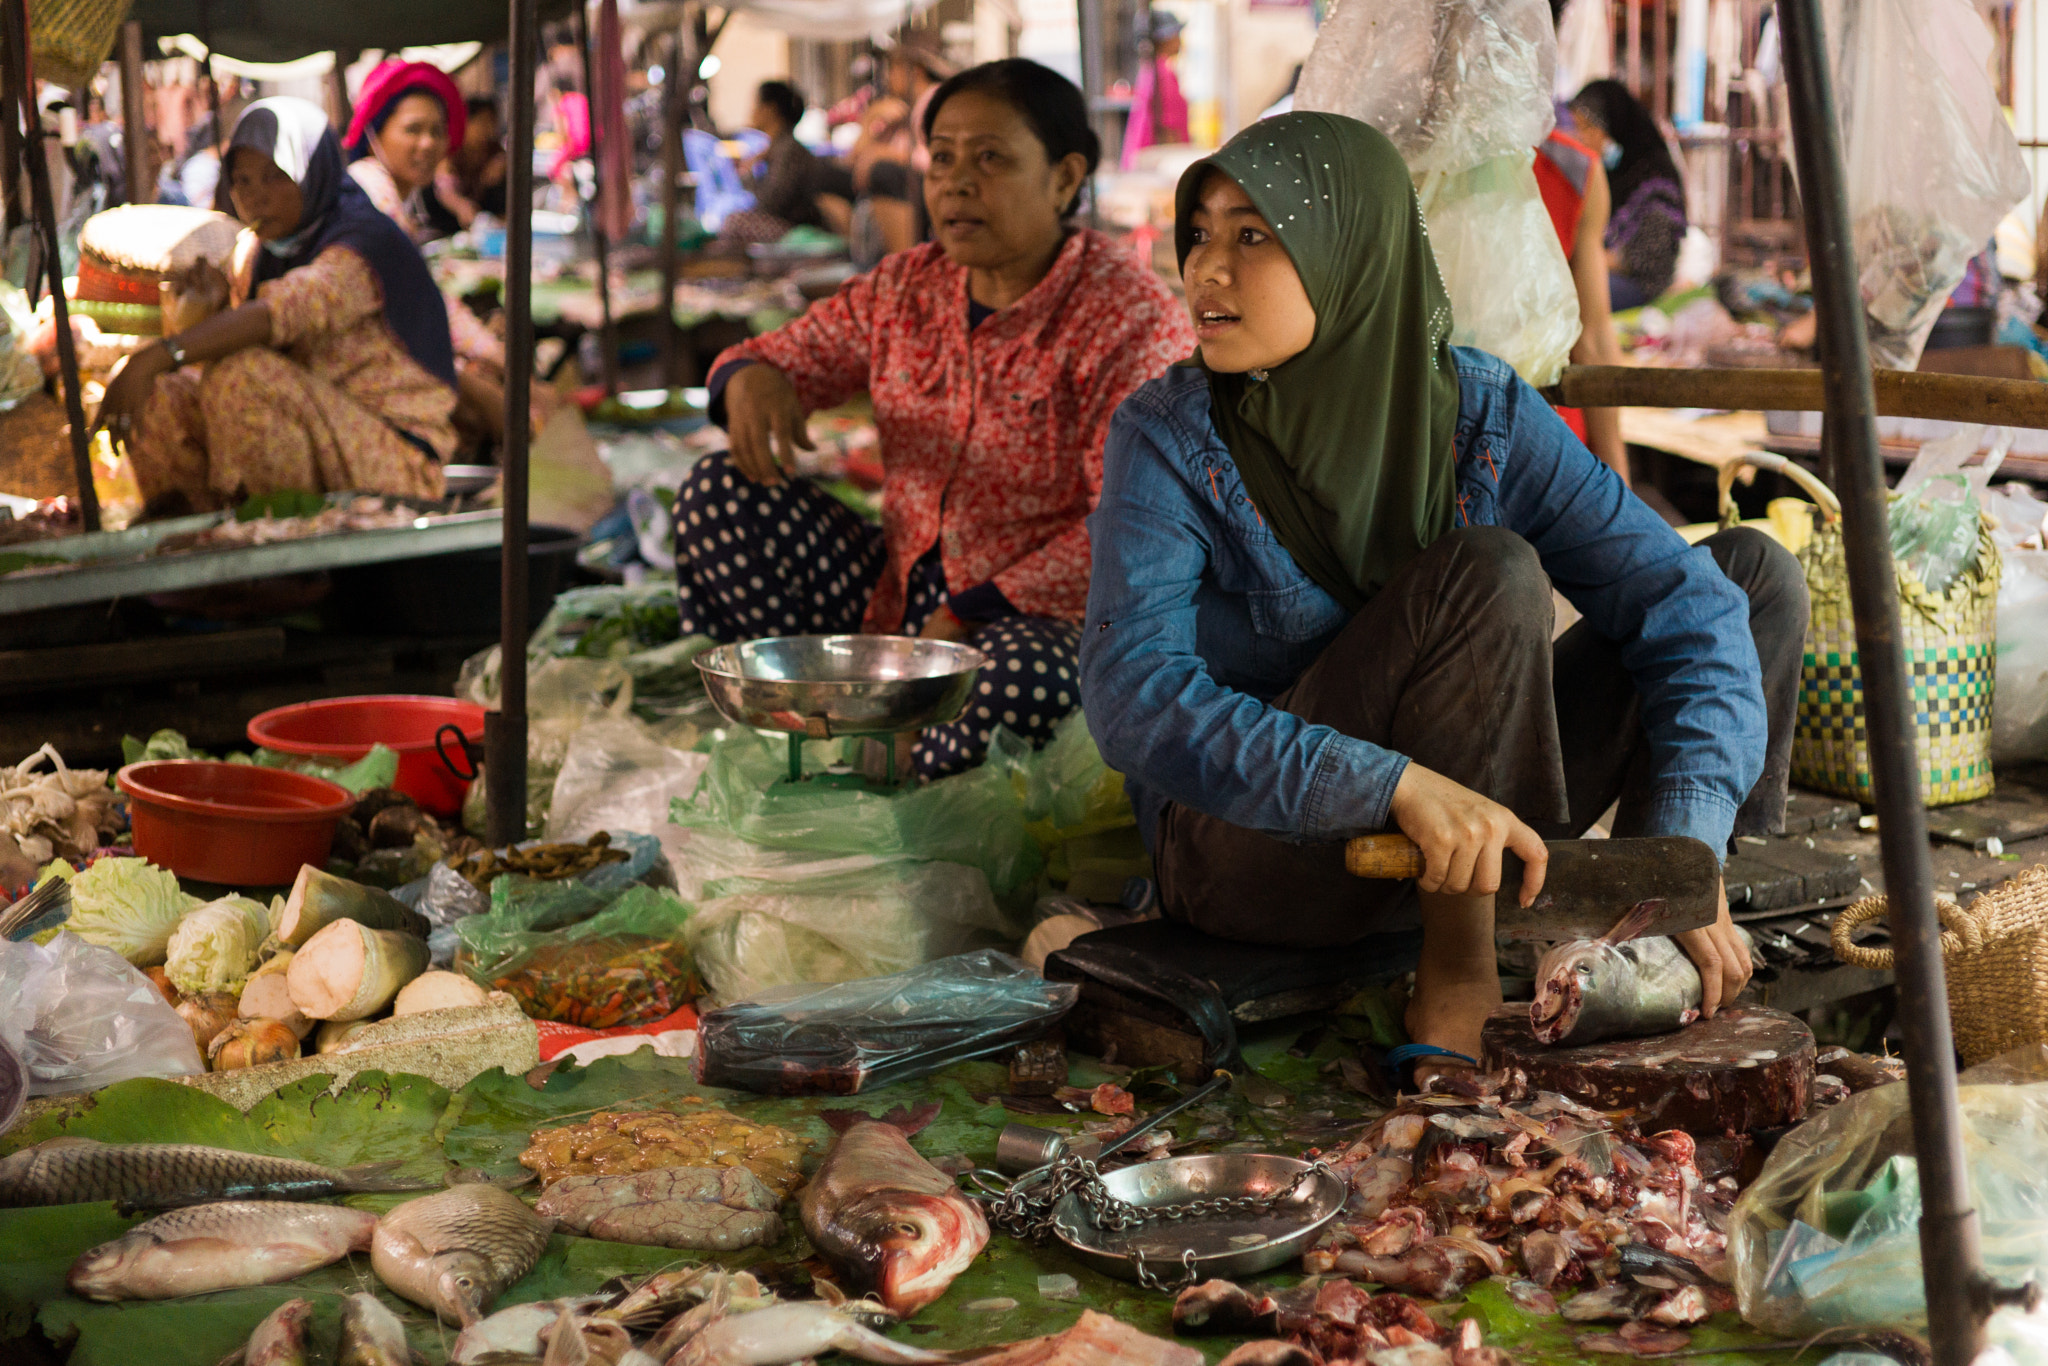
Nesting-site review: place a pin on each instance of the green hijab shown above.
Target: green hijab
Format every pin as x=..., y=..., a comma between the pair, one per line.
x=1345, y=449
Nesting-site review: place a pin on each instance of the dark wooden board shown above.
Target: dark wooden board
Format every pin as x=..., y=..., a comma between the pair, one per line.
x=1748, y=1068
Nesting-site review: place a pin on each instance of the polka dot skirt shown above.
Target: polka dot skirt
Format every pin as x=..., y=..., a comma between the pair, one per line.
x=754, y=560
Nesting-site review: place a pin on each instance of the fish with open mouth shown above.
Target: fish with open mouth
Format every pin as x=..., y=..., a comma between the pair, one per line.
x=455, y=1251
x=893, y=1223
x=69, y=1171
x=280, y=1340
x=220, y=1247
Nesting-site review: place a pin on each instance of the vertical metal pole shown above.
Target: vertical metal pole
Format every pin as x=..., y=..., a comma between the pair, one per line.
x=608, y=331
x=674, y=99
x=1951, y=1263
x=505, y=728
x=22, y=80
x=135, y=135
x=1094, y=70
x=1633, y=28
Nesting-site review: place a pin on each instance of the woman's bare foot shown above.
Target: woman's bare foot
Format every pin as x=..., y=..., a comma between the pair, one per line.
x=1457, y=980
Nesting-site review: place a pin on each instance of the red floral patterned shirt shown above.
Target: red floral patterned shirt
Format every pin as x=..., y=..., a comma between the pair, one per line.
x=991, y=440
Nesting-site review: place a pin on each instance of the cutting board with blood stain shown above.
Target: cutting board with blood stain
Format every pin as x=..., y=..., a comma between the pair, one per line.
x=1747, y=1068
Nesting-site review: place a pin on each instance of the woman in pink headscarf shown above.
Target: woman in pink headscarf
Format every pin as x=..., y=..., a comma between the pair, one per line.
x=407, y=117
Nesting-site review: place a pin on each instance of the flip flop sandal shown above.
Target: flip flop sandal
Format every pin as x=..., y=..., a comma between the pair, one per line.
x=1401, y=1060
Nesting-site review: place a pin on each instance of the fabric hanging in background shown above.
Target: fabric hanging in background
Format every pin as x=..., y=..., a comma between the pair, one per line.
x=1585, y=47
x=608, y=118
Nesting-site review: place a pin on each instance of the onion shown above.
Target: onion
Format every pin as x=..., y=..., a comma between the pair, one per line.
x=251, y=1043
x=208, y=1015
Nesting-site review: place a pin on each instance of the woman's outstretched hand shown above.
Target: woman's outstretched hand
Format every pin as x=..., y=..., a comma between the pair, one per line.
x=1461, y=835
x=766, y=421
x=129, y=386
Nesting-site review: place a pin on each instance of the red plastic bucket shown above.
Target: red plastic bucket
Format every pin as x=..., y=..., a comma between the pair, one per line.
x=340, y=730
x=231, y=823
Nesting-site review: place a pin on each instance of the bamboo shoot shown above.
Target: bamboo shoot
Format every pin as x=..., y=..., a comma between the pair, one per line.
x=269, y=997
x=319, y=899
x=349, y=971
x=335, y=1033
x=437, y=991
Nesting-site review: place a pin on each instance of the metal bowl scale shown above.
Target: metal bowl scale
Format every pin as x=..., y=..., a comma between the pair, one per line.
x=1227, y=1245
x=824, y=687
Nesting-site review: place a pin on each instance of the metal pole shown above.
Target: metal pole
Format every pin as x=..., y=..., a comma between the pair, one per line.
x=505, y=728
x=45, y=207
x=1950, y=1257
x=135, y=136
x=608, y=332
x=674, y=101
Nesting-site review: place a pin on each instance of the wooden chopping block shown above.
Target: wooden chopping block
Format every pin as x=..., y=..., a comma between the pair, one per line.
x=1748, y=1068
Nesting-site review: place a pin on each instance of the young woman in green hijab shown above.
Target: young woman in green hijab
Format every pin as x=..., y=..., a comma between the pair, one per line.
x=1321, y=599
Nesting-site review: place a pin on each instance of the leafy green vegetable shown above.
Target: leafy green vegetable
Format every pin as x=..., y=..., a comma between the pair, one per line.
x=164, y=744
x=214, y=947
x=378, y=768
x=126, y=904
x=282, y=503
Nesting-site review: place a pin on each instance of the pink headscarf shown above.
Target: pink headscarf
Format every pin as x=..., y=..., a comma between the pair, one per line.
x=393, y=79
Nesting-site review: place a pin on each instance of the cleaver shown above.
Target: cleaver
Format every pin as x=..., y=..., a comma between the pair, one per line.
x=1589, y=886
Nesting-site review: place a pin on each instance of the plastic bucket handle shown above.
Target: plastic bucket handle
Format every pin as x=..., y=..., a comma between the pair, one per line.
x=472, y=751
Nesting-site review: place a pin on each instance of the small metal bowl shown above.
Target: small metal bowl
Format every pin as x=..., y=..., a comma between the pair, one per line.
x=1228, y=1245
x=825, y=686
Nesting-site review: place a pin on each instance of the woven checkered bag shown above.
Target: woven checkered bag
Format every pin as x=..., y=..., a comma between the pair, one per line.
x=1951, y=647
x=69, y=39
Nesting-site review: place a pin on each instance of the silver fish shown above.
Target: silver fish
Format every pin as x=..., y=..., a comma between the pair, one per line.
x=516, y=1333
x=219, y=1247
x=371, y=1335
x=280, y=1340
x=1616, y=986
x=68, y=1171
x=783, y=1333
x=455, y=1251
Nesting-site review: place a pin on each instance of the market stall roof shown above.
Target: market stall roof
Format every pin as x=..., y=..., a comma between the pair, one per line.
x=286, y=30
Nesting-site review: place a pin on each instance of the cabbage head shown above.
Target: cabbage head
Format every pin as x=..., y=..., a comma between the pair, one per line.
x=215, y=947
x=126, y=904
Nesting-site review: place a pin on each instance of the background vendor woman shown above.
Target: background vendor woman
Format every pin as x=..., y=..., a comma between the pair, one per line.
x=995, y=357
x=332, y=370
x=1321, y=602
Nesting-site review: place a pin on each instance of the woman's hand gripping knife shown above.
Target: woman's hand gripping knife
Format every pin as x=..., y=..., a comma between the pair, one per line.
x=1457, y=980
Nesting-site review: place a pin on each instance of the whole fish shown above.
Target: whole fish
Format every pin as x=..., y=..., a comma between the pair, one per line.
x=280, y=1340
x=69, y=1171
x=1616, y=986
x=219, y=1247
x=371, y=1334
x=783, y=1333
x=455, y=1251
x=892, y=1222
x=516, y=1332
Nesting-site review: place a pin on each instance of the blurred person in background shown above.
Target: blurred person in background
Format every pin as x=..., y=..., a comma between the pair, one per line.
x=784, y=177
x=1647, y=224
x=1159, y=112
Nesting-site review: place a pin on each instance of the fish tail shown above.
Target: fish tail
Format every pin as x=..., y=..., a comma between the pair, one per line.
x=1635, y=922
x=909, y=1121
x=376, y=1176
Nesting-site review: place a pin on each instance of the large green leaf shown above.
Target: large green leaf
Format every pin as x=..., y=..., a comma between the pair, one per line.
x=425, y=1129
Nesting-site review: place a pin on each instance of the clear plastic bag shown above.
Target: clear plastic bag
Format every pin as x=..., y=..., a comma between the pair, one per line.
x=974, y=818
x=1828, y=1234
x=617, y=776
x=82, y=1017
x=840, y=920
x=1451, y=82
x=808, y=1039
x=1510, y=286
x=1932, y=164
x=21, y=374
x=571, y=953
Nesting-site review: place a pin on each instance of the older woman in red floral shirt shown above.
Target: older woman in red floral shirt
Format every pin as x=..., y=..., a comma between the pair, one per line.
x=995, y=357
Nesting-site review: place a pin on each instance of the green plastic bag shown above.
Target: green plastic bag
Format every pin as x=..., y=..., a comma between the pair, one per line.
x=580, y=956
x=1069, y=791
x=974, y=818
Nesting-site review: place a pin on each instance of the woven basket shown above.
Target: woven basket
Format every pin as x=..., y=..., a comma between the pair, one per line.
x=1951, y=648
x=70, y=38
x=1995, y=956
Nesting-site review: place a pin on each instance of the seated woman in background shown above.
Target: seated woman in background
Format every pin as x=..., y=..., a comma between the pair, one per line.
x=994, y=357
x=1646, y=224
x=784, y=177
x=472, y=180
x=331, y=370
x=405, y=120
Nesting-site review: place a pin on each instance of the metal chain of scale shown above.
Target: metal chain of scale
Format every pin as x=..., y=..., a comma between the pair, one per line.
x=1027, y=1210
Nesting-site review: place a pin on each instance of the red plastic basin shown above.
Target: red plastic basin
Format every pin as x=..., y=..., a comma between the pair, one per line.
x=340, y=730
x=231, y=823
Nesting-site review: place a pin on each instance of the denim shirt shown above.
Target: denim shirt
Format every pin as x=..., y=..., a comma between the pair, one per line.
x=1197, y=618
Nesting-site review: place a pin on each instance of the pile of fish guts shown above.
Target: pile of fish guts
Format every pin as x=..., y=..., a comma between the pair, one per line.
x=895, y=1228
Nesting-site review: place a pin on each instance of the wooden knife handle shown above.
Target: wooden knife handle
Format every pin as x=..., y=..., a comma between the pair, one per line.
x=1383, y=856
